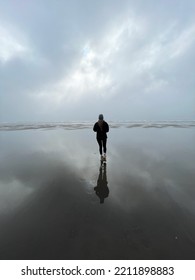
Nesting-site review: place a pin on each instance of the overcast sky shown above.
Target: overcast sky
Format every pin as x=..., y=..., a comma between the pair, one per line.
x=71, y=60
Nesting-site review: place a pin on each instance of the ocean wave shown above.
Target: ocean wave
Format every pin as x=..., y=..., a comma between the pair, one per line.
x=89, y=125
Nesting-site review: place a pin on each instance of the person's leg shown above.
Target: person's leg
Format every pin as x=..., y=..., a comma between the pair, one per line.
x=104, y=145
x=100, y=145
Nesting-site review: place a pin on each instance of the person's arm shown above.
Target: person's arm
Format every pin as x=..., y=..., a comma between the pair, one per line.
x=95, y=127
x=107, y=127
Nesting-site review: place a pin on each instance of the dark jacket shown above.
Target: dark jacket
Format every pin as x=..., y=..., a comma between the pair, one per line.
x=101, y=129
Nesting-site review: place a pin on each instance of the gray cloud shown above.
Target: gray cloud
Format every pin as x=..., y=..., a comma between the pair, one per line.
x=69, y=60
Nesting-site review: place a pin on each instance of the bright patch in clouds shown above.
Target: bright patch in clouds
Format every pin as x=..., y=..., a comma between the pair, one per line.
x=93, y=72
x=88, y=76
x=10, y=46
x=184, y=41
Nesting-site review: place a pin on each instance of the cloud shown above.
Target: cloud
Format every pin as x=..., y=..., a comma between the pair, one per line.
x=9, y=46
x=67, y=58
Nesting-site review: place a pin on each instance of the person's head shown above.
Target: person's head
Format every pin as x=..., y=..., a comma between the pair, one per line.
x=101, y=117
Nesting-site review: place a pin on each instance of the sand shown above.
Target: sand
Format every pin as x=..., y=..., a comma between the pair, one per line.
x=49, y=208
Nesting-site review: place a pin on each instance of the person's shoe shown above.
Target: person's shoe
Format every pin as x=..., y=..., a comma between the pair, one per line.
x=104, y=157
x=101, y=157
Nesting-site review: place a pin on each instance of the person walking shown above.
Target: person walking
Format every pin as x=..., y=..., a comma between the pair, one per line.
x=101, y=128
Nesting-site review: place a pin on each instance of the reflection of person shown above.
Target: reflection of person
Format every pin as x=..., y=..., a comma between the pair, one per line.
x=102, y=189
x=101, y=127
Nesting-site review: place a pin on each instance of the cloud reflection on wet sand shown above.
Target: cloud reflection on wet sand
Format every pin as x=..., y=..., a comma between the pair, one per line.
x=53, y=212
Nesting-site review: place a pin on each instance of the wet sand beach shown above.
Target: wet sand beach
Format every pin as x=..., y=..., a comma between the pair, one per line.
x=52, y=183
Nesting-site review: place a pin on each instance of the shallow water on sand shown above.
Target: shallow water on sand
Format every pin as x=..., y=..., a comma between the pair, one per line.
x=49, y=208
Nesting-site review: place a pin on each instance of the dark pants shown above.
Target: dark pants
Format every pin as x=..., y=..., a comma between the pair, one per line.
x=102, y=142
